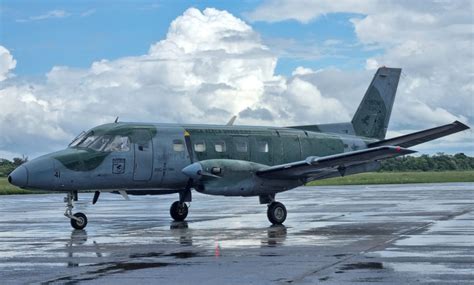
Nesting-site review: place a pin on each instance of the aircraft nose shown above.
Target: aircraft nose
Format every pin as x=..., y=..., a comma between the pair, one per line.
x=19, y=176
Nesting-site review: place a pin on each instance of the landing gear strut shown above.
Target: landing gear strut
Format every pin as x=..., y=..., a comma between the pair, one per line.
x=78, y=220
x=276, y=213
x=179, y=211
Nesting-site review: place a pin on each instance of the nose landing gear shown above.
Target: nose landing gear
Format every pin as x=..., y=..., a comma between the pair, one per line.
x=78, y=220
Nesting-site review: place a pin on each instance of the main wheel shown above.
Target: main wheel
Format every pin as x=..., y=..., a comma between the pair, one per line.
x=179, y=211
x=81, y=221
x=276, y=213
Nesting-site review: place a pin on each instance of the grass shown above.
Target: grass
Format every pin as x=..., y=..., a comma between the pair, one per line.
x=398, y=178
x=358, y=179
x=8, y=189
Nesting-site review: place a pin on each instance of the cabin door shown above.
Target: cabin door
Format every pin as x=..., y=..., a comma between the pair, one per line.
x=171, y=156
x=143, y=148
x=291, y=148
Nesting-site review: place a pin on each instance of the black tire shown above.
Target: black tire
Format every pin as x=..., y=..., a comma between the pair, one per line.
x=276, y=213
x=81, y=223
x=179, y=211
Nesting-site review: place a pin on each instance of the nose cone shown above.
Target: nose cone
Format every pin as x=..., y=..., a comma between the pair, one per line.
x=38, y=174
x=19, y=177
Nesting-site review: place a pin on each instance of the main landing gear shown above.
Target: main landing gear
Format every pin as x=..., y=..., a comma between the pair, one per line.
x=179, y=209
x=276, y=211
x=78, y=220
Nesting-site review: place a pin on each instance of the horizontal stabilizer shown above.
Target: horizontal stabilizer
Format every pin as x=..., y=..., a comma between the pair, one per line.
x=340, y=161
x=422, y=136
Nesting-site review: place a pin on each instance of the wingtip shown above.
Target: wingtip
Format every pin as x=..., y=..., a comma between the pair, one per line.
x=461, y=125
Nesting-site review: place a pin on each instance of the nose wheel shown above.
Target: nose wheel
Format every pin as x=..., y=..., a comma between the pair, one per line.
x=78, y=220
x=276, y=213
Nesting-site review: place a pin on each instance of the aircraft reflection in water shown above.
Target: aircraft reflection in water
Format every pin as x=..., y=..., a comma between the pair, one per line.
x=158, y=159
x=78, y=244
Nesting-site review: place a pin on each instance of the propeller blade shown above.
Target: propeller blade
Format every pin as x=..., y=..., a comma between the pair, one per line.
x=189, y=147
x=96, y=197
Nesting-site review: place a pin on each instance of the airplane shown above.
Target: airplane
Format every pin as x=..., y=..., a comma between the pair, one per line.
x=228, y=160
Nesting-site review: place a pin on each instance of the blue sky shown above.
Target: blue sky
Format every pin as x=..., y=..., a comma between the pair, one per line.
x=94, y=30
x=72, y=65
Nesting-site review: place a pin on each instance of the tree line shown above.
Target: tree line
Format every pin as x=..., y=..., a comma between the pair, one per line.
x=437, y=162
x=7, y=166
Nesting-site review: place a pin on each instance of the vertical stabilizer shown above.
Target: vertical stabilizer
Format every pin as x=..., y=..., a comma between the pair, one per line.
x=372, y=117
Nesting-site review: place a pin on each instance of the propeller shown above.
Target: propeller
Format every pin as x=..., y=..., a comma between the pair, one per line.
x=189, y=147
x=195, y=171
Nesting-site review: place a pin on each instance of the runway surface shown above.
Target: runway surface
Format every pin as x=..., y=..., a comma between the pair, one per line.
x=389, y=234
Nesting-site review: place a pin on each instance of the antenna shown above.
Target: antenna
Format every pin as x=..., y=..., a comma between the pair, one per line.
x=231, y=121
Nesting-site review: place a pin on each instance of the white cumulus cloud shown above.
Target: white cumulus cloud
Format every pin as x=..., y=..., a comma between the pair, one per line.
x=432, y=41
x=7, y=63
x=210, y=66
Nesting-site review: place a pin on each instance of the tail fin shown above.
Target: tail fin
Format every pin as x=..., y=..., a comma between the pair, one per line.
x=372, y=117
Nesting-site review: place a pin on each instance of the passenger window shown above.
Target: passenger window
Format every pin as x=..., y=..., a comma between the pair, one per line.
x=241, y=145
x=220, y=147
x=178, y=145
x=200, y=147
x=262, y=146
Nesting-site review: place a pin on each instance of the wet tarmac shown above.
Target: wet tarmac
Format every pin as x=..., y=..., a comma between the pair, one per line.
x=389, y=234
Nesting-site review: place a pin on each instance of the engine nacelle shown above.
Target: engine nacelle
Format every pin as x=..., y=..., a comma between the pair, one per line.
x=229, y=177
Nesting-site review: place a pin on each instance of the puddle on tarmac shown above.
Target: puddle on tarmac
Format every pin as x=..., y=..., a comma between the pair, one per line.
x=362, y=265
x=110, y=268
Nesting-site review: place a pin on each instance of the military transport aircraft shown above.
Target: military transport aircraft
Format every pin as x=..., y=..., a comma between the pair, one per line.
x=228, y=160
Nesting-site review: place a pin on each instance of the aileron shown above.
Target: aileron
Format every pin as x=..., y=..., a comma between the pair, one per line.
x=423, y=136
x=314, y=164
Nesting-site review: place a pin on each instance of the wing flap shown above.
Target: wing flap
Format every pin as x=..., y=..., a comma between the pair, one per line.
x=422, y=136
x=337, y=161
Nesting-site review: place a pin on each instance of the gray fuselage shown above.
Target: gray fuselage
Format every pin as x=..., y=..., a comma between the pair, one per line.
x=155, y=154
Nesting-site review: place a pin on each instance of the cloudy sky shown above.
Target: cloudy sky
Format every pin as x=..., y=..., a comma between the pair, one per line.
x=66, y=66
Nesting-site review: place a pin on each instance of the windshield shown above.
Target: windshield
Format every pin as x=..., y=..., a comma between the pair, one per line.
x=102, y=143
x=77, y=139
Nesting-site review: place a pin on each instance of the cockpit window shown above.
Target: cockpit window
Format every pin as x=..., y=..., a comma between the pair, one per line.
x=102, y=143
x=118, y=143
x=87, y=141
x=77, y=139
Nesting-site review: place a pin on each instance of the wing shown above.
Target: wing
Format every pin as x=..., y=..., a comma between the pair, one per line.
x=423, y=136
x=314, y=164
